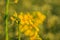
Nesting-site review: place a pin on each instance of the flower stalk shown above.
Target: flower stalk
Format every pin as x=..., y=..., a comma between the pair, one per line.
x=6, y=15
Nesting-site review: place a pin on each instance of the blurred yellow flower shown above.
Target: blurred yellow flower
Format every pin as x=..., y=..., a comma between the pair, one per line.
x=20, y=16
x=13, y=19
x=26, y=17
x=34, y=36
x=41, y=16
x=29, y=33
x=29, y=16
x=15, y=14
x=15, y=1
x=30, y=21
x=23, y=28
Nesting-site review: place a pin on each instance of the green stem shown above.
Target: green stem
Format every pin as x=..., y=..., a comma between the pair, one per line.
x=18, y=32
x=6, y=12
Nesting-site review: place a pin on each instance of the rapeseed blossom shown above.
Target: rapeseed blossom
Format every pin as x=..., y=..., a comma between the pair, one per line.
x=29, y=23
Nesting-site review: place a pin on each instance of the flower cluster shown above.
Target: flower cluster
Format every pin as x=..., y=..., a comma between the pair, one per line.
x=29, y=23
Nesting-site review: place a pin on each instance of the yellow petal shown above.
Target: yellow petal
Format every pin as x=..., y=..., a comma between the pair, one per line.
x=25, y=17
x=20, y=16
x=13, y=19
x=27, y=33
x=24, y=28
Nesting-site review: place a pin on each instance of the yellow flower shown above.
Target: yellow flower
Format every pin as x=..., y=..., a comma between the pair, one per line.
x=15, y=1
x=41, y=16
x=16, y=21
x=37, y=29
x=29, y=23
x=23, y=28
x=20, y=16
x=38, y=21
x=26, y=22
x=13, y=19
x=26, y=17
x=34, y=36
x=22, y=22
x=30, y=26
x=29, y=16
x=15, y=14
x=29, y=33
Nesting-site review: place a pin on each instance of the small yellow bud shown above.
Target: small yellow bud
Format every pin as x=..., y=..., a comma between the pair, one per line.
x=15, y=1
x=29, y=33
x=15, y=14
x=24, y=28
x=13, y=19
